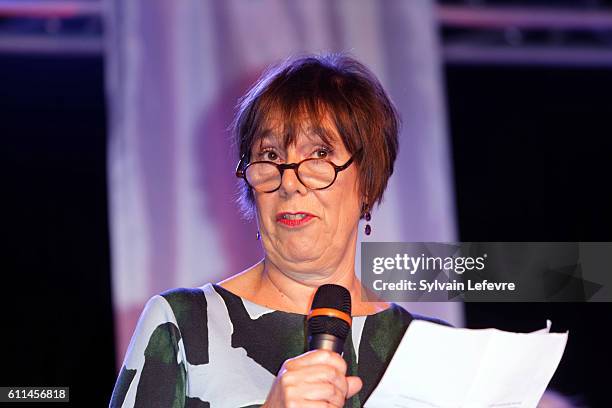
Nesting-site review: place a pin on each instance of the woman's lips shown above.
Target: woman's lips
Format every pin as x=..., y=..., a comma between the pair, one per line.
x=294, y=223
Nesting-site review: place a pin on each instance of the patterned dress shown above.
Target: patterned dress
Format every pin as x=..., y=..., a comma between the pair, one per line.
x=207, y=347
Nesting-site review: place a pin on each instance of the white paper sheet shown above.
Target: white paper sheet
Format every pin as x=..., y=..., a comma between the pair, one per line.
x=439, y=366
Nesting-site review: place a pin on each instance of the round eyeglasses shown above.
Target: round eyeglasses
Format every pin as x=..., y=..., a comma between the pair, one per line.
x=267, y=176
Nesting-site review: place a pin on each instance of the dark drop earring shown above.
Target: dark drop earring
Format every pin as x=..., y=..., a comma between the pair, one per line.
x=258, y=235
x=367, y=216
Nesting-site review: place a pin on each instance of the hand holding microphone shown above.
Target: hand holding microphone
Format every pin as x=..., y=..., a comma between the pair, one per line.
x=318, y=378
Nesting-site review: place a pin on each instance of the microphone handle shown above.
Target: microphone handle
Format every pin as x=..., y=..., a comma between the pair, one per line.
x=324, y=341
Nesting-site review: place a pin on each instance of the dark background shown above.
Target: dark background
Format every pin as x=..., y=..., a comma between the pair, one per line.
x=56, y=291
x=531, y=152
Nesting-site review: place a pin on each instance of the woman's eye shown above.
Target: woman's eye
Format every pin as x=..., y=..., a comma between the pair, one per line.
x=322, y=153
x=270, y=155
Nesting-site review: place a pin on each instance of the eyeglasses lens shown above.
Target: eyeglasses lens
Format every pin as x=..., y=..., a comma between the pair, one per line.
x=314, y=174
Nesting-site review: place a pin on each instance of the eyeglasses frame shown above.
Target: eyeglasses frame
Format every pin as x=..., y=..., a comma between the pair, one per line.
x=281, y=167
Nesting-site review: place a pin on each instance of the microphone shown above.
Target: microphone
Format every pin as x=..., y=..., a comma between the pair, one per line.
x=329, y=319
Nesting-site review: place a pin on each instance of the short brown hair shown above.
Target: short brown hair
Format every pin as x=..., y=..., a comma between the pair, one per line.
x=332, y=86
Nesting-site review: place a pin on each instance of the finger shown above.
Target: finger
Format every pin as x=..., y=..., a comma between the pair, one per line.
x=317, y=357
x=323, y=391
x=354, y=385
x=324, y=373
x=316, y=374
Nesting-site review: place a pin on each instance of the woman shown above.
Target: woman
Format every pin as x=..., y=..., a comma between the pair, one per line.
x=317, y=138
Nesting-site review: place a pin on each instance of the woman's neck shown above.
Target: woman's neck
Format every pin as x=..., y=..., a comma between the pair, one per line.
x=293, y=292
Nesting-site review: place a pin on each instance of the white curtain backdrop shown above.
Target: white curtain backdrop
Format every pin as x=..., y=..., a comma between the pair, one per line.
x=174, y=72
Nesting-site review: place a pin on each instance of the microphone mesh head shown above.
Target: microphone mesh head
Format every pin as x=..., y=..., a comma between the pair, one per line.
x=334, y=297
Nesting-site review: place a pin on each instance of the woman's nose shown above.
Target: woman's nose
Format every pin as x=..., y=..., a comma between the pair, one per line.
x=290, y=183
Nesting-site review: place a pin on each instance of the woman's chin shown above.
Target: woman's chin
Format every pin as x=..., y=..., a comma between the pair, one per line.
x=301, y=251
